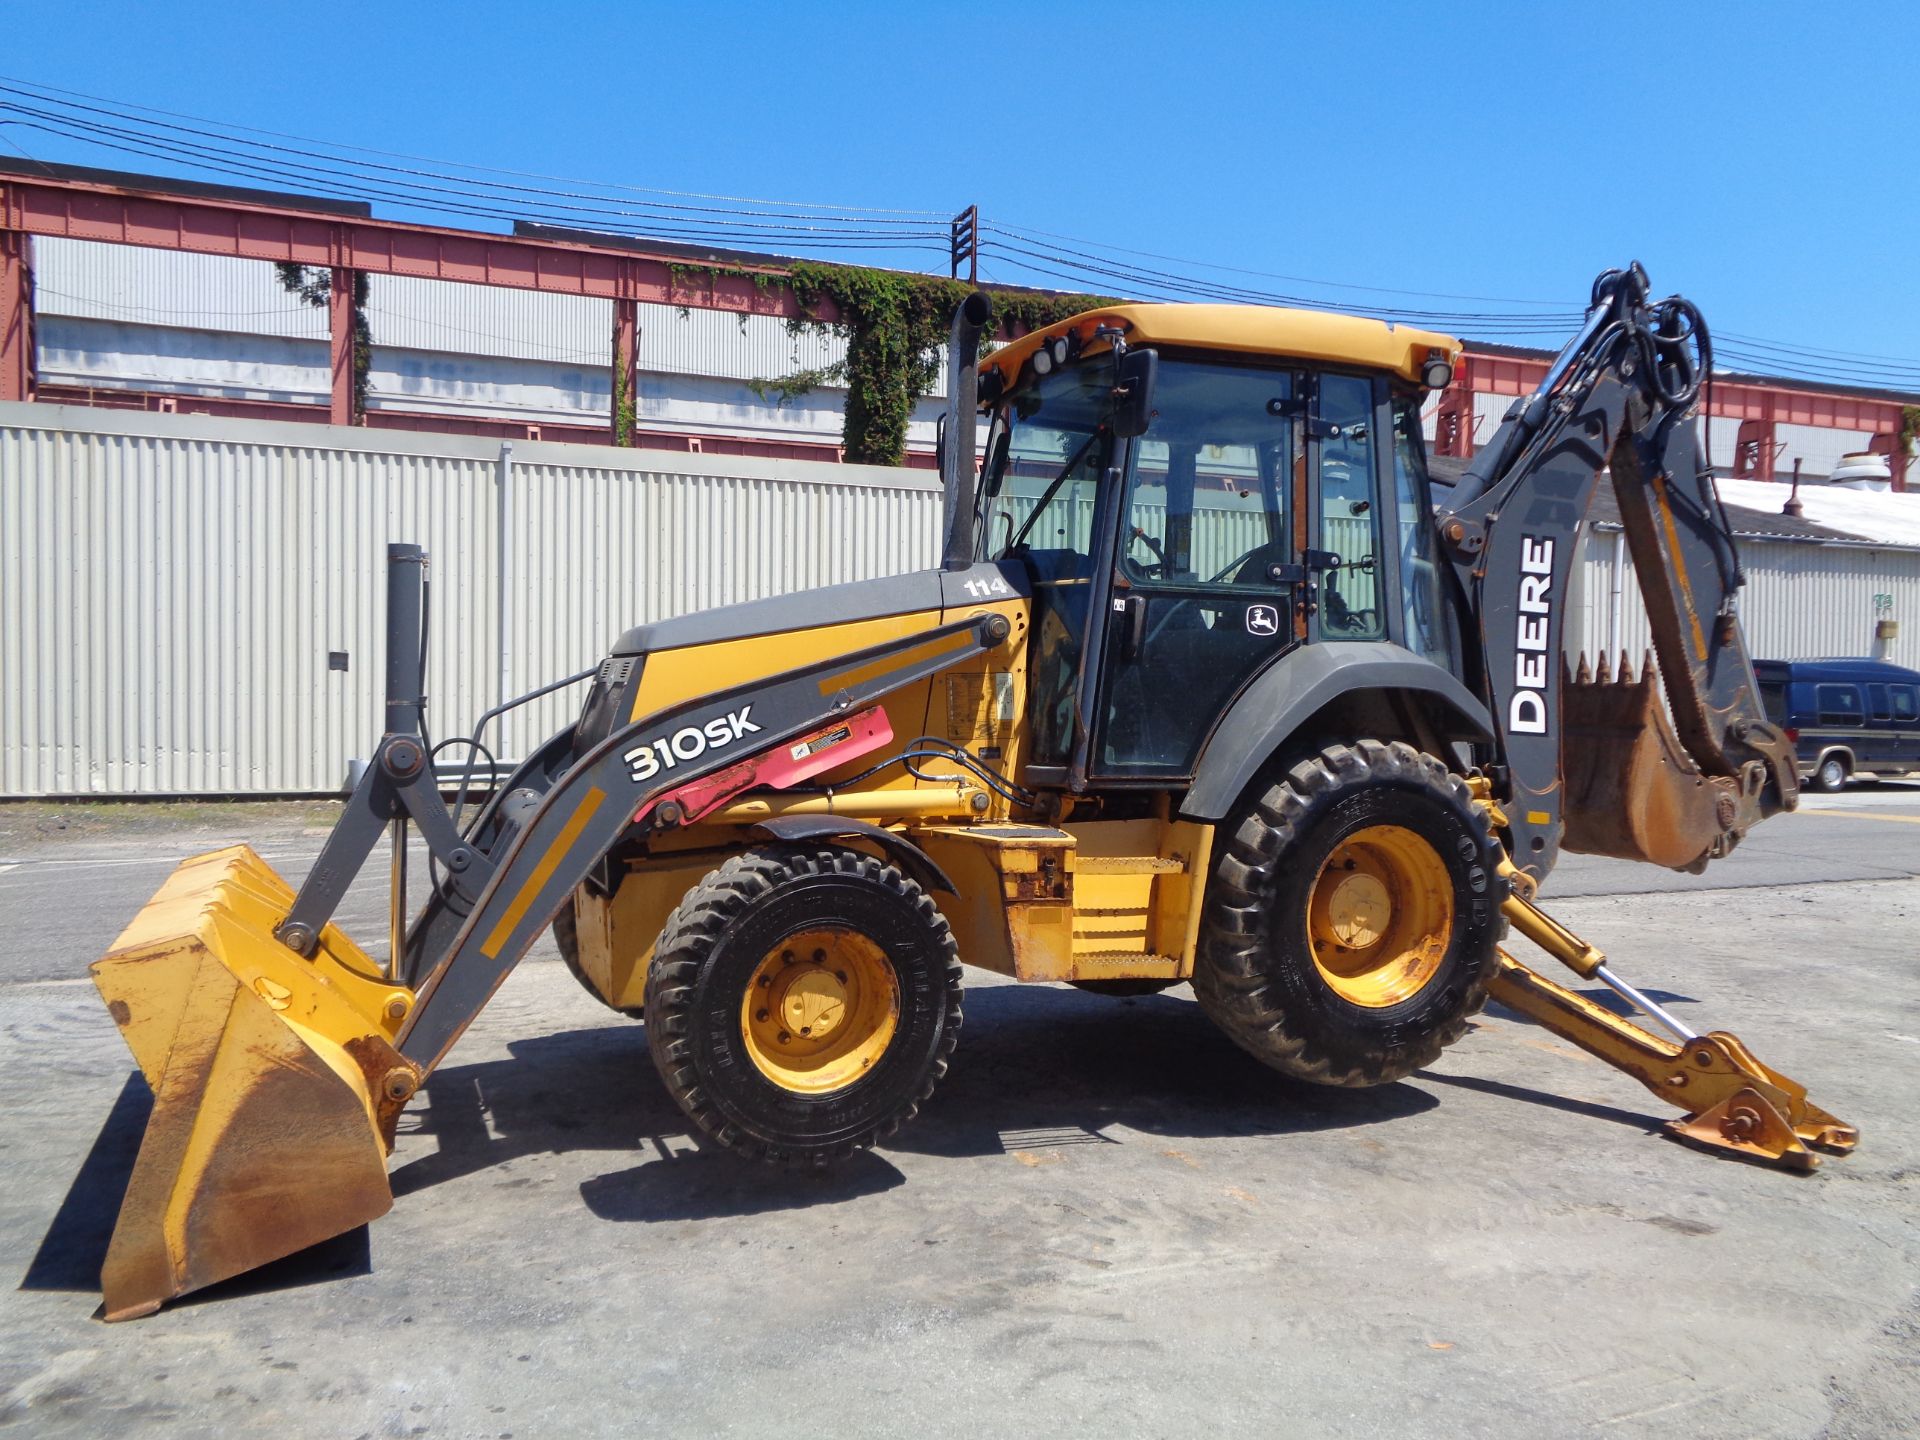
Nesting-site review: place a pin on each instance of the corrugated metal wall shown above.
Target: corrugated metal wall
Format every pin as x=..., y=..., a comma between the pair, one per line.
x=139, y=286
x=1800, y=602
x=170, y=586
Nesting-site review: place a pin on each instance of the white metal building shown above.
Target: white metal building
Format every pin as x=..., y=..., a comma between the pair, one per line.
x=115, y=317
x=173, y=587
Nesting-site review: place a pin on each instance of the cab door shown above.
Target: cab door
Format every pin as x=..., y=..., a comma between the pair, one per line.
x=1207, y=571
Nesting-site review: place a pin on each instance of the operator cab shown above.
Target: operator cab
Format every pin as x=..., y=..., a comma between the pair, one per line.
x=1194, y=492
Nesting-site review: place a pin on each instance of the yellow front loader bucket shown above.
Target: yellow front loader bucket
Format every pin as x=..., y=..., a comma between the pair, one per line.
x=275, y=1083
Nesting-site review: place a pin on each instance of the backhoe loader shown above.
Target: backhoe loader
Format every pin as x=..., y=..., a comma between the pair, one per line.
x=1204, y=690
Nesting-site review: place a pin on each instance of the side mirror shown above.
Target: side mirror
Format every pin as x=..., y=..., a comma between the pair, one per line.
x=1133, y=392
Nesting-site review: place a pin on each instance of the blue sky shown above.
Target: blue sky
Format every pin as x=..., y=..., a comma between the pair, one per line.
x=1757, y=157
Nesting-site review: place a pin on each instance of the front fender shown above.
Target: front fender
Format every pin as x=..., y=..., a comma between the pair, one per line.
x=1300, y=684
x=798, y=829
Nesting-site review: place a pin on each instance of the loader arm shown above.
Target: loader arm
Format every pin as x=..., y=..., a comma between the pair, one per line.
x=281, y=1056
x=603, y=795
x=1591, y=760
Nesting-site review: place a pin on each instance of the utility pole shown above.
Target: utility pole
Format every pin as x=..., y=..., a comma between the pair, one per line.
x=965, y=244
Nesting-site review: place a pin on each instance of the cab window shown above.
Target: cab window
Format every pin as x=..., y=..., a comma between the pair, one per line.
x=1350, y=607
x=1047, y=454
x=1427, y=623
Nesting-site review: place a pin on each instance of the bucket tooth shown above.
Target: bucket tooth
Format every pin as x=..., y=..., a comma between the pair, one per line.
x=1583, y=675
x=275, y=1084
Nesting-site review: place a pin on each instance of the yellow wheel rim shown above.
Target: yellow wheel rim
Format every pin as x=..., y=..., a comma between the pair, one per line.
x=820, y=1010
x=1380, y=916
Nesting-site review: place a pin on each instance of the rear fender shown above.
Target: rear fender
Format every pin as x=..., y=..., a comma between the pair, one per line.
x=1302, y=683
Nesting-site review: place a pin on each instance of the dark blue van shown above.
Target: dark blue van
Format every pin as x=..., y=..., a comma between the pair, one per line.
x=1845, y=717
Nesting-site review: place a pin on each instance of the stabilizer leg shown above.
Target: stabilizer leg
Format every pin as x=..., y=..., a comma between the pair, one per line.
x=1732, y=1101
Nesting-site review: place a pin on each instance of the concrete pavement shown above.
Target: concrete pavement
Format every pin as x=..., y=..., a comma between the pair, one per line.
x=1107, y=1219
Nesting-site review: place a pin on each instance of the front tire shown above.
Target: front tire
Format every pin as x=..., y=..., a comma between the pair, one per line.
x=803, y=1003
x=1352, y=918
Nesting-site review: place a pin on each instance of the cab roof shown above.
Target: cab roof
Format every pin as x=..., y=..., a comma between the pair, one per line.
x=1250, y=330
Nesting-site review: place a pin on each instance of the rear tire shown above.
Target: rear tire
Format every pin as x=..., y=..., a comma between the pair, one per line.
x=803, y=1003
x=1352, y=918
x=1830, y=776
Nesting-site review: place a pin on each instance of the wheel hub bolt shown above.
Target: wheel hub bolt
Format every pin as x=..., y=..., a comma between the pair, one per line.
x=761, y=1014
x=785, y=1037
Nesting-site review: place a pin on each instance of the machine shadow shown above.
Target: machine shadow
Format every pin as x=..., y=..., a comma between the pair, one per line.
x=1041, y=1066
x=1588, y=1108
x=74, y=1248
x=1037, y=1067
x=75, y=1245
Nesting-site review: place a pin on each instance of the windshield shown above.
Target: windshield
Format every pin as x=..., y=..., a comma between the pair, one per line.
x=1050, y=446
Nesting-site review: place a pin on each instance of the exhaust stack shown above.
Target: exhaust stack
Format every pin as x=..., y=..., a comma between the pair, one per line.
x=970, y=321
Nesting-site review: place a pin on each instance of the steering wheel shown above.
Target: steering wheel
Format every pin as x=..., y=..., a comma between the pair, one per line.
x=1157, y=568
x=1237, y=561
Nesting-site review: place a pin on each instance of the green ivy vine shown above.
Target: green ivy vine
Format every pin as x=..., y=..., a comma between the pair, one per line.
x=896, y=325
x=314, y=285
x=1909, y=427
x=625, y=417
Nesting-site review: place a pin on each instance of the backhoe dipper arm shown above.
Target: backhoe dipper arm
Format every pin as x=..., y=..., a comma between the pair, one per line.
x=1621, y=396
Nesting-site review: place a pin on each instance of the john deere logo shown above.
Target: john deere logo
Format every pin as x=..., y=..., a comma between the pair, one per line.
x=1263, y=620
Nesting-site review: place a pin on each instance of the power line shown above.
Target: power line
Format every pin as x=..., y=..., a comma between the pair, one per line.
x=50, y=90
x=331, y=169
x=443, y=198
x=1166, y=285
x=1031, y=234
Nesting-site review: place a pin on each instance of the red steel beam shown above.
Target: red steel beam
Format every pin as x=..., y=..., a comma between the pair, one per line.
x=88, y=210
x=626, y=364
x=16, y=316
x=249, y=229
x=1734, y=399
x=340, y=350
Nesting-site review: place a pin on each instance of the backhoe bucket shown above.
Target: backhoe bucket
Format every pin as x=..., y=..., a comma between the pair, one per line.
x=1632, y=791
x=275, y=1083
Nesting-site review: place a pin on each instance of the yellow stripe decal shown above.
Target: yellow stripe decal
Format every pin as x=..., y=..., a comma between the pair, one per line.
x=1539, y=817
x=931, y=650
x=542, y=872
